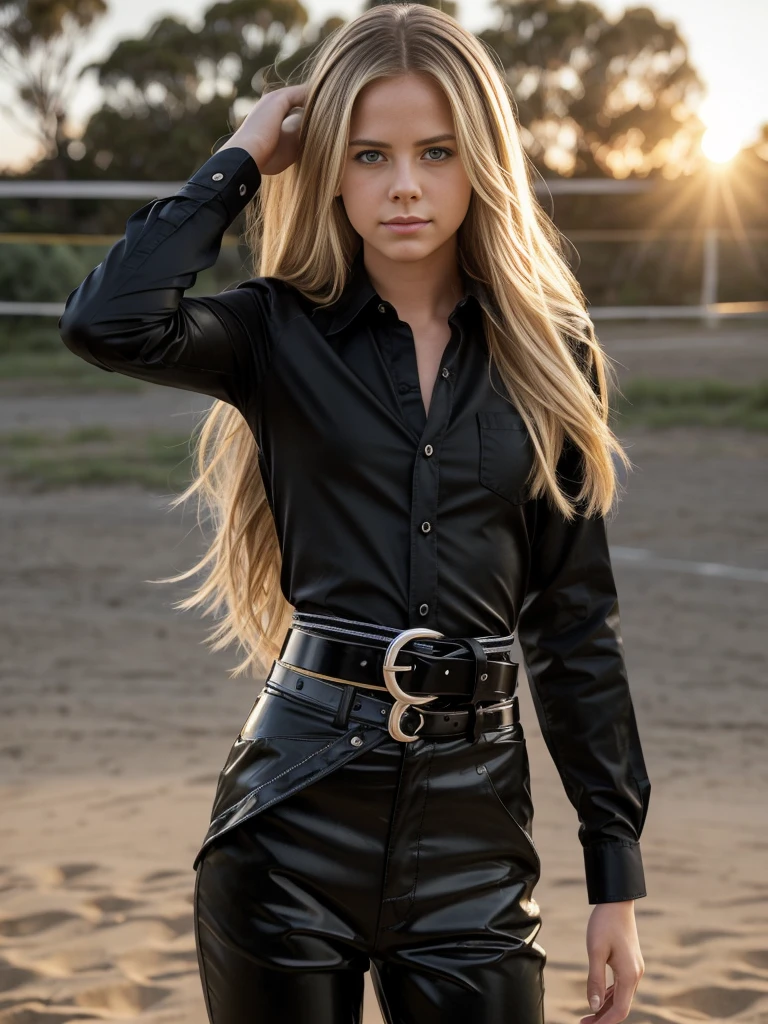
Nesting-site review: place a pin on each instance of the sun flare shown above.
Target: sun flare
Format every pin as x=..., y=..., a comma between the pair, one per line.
x=720, y=144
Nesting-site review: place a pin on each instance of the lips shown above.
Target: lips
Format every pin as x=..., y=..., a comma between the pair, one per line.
x=406, y=227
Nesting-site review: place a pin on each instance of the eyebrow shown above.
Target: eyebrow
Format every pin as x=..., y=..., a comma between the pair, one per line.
x=386, y=145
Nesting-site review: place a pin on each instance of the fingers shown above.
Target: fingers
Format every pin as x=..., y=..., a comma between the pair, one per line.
x=621, y=1000
x=600, y=1016
x=290, y=96
x=618, y=997
x=596, y=978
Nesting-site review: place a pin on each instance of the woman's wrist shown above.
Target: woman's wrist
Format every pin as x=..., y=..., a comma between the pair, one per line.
x=233, y=142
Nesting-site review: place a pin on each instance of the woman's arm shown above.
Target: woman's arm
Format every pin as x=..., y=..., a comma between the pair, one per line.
x=129, y=314
x=569, y=631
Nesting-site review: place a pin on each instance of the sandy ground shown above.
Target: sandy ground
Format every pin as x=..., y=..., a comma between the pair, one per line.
x=116, y=719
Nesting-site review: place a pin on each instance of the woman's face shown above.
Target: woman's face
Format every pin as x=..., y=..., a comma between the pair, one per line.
x=402, y=161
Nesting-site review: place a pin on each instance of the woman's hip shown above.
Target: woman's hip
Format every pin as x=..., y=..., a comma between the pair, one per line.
x=384, y=828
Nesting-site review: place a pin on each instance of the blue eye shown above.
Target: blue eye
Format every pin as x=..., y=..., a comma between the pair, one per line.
x=432, y=149
x=439, y=149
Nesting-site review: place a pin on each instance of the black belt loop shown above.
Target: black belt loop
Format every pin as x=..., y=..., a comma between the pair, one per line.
x=341, y=718
x=474, y=726
x=481, y=663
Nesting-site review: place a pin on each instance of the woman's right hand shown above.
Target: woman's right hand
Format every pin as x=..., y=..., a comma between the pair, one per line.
x=270, y=132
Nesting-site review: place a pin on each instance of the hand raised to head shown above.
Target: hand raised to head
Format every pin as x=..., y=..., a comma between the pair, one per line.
x=270, y=132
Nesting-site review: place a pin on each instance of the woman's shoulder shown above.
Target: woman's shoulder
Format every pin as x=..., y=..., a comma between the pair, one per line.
x=283, y=300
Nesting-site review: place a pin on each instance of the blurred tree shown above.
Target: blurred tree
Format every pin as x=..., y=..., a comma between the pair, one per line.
x=595, y=97
x=39, y=42
x=760, y=145
x=171, y=93
x=446, y=6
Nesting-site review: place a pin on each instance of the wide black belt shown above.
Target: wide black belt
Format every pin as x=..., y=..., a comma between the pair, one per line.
x=414, y=666
x=348, y=702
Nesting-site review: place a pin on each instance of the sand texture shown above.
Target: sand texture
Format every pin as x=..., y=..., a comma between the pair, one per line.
x=116, y=719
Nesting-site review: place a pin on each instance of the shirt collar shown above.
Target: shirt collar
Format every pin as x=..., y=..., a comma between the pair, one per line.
x=358, y=293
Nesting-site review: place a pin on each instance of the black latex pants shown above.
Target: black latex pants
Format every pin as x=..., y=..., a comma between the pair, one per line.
x=328, y=856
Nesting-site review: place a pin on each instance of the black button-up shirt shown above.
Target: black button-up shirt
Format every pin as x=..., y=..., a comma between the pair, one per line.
x=384, y=512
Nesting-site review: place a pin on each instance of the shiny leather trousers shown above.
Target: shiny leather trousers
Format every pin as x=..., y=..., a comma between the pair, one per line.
x=328, y=856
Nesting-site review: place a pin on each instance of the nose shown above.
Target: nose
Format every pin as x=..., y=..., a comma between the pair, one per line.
x=404, y=184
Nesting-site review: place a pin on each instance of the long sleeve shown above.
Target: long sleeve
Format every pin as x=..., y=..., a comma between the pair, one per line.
x=569, y=631
x=130, y=315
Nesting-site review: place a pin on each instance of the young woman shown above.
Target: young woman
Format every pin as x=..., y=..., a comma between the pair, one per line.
x=407, y=461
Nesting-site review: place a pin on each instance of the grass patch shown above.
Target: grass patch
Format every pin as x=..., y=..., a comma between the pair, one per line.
x=60, y=371
x=96, y=456
x=82, y=435
x=29, y=335
x=100, y=456
x=706, y=402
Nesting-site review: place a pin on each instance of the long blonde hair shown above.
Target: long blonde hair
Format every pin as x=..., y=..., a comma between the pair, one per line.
x=539, y=333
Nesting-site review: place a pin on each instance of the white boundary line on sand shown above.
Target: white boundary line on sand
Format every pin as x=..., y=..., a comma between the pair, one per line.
x=647, y=560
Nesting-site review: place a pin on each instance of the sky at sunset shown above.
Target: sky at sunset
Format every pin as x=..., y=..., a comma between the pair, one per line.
x=726, y=44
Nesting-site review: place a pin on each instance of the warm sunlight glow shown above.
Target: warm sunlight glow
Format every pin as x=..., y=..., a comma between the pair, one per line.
x=720, y=144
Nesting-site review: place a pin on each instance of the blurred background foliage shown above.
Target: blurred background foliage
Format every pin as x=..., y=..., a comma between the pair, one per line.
x=594, y=98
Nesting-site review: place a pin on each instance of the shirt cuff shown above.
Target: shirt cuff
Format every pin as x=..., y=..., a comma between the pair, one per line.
x=233, y=174
x=614, y=871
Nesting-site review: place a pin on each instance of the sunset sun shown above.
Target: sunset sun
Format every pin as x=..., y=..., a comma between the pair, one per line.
x=720, y=144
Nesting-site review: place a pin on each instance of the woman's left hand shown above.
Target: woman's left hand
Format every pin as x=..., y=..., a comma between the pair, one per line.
x=612, y=939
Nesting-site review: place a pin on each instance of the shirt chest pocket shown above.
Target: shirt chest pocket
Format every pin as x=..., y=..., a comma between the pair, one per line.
x=506, y=454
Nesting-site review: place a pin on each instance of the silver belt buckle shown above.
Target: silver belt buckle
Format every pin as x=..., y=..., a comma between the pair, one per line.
x=404, y=700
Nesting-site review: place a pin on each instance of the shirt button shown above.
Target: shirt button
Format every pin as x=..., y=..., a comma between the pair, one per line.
x=242, y=190
x=423, y=609
x=426, y=527
x=403, y=388
x=217, y=176
x=446, y=372
x=428, y=449
x=382, y=308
